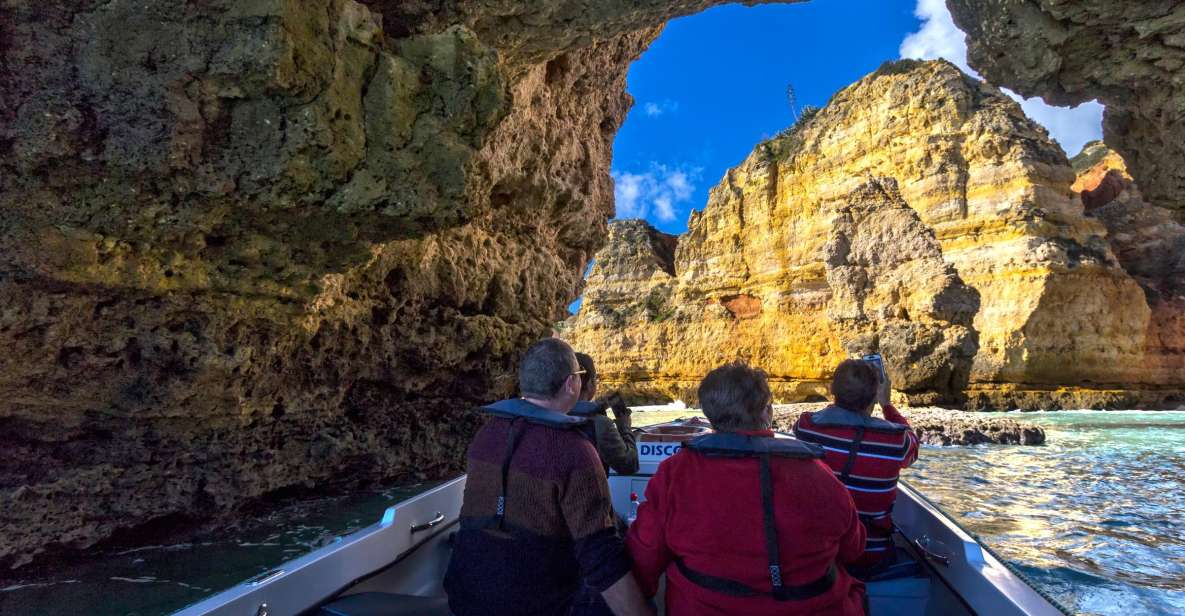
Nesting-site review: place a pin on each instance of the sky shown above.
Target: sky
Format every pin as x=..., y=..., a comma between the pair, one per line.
x=714, y=85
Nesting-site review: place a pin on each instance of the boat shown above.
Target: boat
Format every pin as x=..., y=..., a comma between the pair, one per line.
x=396, y=566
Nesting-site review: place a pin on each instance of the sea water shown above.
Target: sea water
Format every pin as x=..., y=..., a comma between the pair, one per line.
x=160, y=579
x=1096, y=517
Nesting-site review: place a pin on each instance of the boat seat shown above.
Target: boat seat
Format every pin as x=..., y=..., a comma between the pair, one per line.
x=385, y=604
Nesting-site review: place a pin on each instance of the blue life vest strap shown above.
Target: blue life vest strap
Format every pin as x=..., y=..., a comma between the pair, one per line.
x=853, y=452
x=586, y=408
x=511, y=444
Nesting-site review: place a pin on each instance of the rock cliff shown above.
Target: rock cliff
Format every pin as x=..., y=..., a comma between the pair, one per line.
x=252, y=248
x=973, y=267
x=1150, y=244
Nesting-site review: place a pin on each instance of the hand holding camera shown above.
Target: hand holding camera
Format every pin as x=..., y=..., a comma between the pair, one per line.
x=621, y=412
x=885, y=387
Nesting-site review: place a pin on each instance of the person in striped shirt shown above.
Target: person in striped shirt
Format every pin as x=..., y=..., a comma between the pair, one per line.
x=866, y=453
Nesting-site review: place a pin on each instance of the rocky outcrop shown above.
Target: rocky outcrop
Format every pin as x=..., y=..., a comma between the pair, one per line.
x=983, y=283
x=1150, y=245
x=943, y=427
x=1128, y=55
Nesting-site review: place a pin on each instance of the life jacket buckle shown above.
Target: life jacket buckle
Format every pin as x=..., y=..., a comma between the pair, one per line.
x=775, y=575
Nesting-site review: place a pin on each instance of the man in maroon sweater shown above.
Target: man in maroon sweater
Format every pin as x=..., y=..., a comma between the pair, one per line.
x=866, y=453
x=743, y=522
x=537, y=534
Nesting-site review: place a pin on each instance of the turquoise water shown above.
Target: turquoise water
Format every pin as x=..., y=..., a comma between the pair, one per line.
x=1096, y=516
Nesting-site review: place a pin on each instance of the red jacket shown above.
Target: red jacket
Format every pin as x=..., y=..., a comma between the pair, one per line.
x=882, y=449
x=708, y=512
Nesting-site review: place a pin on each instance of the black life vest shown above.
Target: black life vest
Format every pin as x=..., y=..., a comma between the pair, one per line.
x=519, y=411
x=734, y=445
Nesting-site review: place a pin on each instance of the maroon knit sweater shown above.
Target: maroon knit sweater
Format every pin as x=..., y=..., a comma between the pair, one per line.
x=557, y=531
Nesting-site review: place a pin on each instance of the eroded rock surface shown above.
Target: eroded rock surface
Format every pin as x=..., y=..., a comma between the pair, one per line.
x=656, y=329
x=973, y=269
x=256, y=247
x=1150, y=244
x=1128, y=55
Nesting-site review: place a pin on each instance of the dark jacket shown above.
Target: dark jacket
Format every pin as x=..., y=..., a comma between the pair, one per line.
x=615, y=442
x=556, y=529
x=707, y=513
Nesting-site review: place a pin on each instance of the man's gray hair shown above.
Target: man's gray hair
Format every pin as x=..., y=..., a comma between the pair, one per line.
x=545, y=367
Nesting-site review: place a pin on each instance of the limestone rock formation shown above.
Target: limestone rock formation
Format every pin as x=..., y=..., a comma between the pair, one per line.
x=988, y=281
x=873, y=279
x=1150, y=244
x=1128, y=55
x=257, y=247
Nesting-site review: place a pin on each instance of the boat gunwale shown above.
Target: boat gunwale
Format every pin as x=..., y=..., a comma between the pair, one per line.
x=373, y=533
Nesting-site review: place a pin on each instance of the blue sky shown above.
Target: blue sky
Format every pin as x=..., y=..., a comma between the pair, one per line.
x=714, y=85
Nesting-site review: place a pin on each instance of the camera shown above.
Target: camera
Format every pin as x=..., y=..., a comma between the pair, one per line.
x=877, y=363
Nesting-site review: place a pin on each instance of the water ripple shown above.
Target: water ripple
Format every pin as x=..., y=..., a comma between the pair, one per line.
x=1096, y=517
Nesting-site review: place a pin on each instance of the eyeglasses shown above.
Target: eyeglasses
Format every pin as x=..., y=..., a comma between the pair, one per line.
x=579, y=372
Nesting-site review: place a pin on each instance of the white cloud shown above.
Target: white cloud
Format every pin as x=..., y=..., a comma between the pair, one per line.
x=939, y=37
x=663, y=208
x=680, y=185
x=655, y=193
x=627, y=191
x=653, y=109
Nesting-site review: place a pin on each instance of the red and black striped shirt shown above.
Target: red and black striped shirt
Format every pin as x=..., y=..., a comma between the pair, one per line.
x=867, y=455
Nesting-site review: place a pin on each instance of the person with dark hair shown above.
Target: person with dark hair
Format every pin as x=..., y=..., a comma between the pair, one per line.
x=537, y=534
x=612, y=437
x=866, y=453
x=743, y=522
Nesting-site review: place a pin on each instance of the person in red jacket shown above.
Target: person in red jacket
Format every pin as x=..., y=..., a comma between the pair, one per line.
x=742, y=522
x=866, y=453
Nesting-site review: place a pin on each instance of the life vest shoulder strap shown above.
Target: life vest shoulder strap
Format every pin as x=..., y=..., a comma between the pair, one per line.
x=587, y=408
x=834, y=417
x=517, y=408
x=735, y=445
